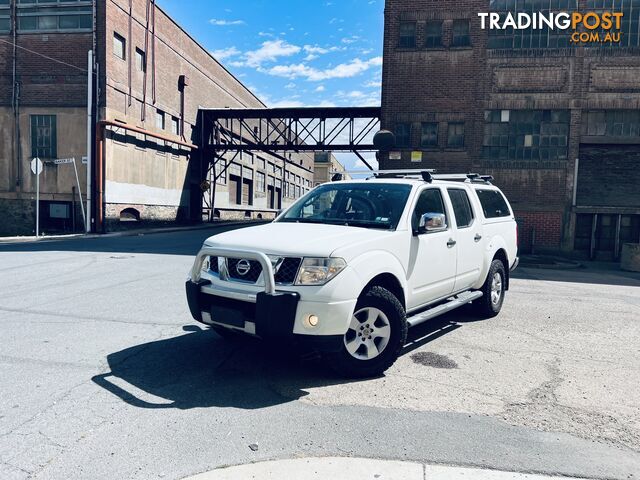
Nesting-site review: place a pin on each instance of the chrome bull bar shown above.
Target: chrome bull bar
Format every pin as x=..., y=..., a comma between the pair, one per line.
x=267, y=268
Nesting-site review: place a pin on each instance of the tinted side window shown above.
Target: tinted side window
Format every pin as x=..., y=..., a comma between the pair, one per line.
x=461, y=207
x=493, y=204
x=430, y=201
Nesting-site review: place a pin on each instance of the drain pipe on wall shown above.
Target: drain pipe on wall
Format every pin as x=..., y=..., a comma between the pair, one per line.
x=575, y=182
x=89, y=137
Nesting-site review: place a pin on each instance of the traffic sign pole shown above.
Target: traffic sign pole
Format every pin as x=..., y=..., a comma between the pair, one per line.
x=84, y=218
x=37, y=198
x=36, y=168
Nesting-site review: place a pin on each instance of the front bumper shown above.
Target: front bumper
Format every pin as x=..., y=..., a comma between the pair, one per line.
x=269, y=314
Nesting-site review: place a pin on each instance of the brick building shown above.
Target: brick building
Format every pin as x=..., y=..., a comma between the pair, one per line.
x=557, y=124
x=152, y=77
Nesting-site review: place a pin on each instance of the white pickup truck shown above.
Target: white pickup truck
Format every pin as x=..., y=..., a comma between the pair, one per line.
x=349, y=267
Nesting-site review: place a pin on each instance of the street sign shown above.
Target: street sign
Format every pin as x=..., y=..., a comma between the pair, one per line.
x=395, y=156
x=36, y=166
x=62, y=161
x=85, y=160
x=416, y=156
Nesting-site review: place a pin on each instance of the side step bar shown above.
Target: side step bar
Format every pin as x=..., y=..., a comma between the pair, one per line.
x=452, y=304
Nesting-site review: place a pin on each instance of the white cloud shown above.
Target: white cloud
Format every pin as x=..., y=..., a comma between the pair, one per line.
x=320, y=88
x=343, y=70
x=224, y=23
x=223, y=53
x=290, y=85
x=286, y=103
x=269, y=52
x=350, y=40
x=310, y=57
x=315, y=49
x=373, y=84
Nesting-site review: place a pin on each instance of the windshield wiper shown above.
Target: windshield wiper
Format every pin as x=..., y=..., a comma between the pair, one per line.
x=302, y=220
x=368, y=224
x=346, y=223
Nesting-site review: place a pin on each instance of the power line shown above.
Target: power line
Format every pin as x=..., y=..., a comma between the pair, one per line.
x=44, y=56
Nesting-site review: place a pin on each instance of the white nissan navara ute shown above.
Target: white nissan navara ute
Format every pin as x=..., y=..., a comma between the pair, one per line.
x=352, y=265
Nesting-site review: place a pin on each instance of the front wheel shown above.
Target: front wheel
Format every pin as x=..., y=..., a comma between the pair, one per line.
x=376, y=334
x=490, y=304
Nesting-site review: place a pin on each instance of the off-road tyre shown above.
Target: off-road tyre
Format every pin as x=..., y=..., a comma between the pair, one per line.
x=488, y=305
x=376, y=297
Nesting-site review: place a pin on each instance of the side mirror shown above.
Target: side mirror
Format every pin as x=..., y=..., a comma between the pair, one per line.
x=431, y=222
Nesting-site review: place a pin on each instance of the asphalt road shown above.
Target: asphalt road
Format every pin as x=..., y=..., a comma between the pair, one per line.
x=103, y=374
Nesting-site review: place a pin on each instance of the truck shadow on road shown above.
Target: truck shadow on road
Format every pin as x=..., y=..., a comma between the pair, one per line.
x=199, y=370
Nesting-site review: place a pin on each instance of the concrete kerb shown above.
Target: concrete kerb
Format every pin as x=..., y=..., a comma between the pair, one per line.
x=125, y=233
x=349, y=468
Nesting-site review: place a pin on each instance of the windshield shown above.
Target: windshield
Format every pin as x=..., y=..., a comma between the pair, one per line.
x=368, y=205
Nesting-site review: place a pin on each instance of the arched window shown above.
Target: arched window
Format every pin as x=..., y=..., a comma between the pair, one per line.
x=129, y=215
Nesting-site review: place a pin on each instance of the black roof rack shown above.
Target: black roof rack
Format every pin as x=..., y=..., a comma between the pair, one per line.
x=428, y=175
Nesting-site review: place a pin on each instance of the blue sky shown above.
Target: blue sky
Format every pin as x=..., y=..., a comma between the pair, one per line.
x=294, y=53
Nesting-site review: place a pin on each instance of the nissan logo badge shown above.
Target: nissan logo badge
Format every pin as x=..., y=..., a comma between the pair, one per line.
x=243, y=267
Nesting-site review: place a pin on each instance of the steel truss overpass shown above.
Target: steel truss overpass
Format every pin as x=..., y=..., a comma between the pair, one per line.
x=276, y=131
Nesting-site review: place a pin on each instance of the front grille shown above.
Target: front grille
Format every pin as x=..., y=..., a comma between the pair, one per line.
x=252, y=275
x=285, y=275
x=288, y=270
x=213, y=264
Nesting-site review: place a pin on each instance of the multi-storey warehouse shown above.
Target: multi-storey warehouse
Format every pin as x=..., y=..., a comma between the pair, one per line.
x=556, y=123
x=149, y=80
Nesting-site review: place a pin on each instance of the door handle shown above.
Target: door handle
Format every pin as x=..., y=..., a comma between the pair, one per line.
x=451, y=243
x=478, y=237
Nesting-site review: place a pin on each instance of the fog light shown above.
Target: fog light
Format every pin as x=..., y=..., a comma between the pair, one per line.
x=312, y=320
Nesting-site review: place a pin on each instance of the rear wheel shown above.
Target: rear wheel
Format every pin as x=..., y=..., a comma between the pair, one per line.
x=375, y=336
x=490, y=304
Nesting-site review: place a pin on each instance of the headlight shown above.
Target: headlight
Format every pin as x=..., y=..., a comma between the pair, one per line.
x=318, y=271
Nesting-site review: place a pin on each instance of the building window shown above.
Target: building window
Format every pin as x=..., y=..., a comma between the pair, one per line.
x=221, y=171
x=321, y=157
x=526, y=134
x=433, y=34
x=630, y=31
x=235, y=169
x=261, y=163
x=260, y=181
x=403, y=135
x=44, y=140
x=460, y=34
x=429, y=135
x=455, y=135
x=175, y=126
x=141, y=60
x=407, y=35
x=537, y=38
x=53, y=15
x=159, y=119
x=5, y=16
x=611, y=123
x=119, y=46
